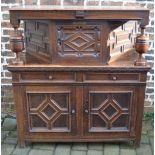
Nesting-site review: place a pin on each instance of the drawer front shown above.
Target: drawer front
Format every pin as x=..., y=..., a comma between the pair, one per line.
x=48, y=76
x=97, y=77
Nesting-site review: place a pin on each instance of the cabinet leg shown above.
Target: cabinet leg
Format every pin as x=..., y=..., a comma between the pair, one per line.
x=131, y=143
x=21, y=143
x=136, y=143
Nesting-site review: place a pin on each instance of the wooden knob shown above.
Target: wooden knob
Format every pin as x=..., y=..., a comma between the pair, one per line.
x=79, y=14
x=73, y=111
x=114, y=78
x=86, y=110
x=50, y=77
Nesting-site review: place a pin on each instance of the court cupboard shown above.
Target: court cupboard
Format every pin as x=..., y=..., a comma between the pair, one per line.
x=82, y=77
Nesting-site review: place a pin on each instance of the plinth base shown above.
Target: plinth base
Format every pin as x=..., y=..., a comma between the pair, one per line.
x=140, y=63
x=17, y=62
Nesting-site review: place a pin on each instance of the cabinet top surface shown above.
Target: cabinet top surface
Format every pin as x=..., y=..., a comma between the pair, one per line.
x=53, y=12
x=72, y=8
x=122, y=64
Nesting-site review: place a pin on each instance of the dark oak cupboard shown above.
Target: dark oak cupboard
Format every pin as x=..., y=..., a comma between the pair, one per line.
x=68, y=86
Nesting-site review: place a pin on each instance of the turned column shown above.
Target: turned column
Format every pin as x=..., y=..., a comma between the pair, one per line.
x=17, y=45
x=141, y=47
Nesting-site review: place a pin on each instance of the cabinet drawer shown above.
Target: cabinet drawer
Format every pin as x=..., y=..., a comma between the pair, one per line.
x=110, y=77
x=48, y=76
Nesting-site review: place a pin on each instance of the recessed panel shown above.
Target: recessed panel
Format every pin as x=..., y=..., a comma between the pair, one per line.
x=78, y=40
x=109, y=111
x=49, y=111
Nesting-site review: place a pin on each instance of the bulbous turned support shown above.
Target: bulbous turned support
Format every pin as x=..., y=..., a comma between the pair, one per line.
x=141, y=47
x=17, y=46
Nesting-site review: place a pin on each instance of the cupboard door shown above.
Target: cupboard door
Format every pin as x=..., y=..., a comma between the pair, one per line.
x=109, y=109
x=51, y=109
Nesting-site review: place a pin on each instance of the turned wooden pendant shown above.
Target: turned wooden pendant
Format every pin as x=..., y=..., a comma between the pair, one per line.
x=17, y=46
x=141, y=47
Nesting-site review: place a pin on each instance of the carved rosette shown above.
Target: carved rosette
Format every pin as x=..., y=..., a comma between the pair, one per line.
x=141, y=47
x=17, y=46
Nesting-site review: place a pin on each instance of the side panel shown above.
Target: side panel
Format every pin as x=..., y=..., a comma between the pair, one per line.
x=38, y=44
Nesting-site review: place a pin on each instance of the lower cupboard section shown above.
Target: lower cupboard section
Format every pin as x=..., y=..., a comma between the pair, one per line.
x=80, y=113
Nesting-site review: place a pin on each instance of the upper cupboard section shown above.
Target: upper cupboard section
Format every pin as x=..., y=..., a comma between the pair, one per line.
x=77, y=41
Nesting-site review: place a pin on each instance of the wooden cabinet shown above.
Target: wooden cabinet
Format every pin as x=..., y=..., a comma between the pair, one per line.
x=70, y=87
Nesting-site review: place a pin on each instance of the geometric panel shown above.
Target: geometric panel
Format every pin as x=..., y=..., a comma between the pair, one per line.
x=47, y=112
x=109, y=108
x=78, y=40
x=108, y=113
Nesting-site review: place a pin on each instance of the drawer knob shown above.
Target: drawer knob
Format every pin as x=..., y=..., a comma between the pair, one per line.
x=86, y=111
x=50, y=77
x=79, y=14
x=114, y=78
x=73, y=111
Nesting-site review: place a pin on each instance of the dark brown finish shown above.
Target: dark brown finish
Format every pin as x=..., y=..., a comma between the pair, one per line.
x=70, y=90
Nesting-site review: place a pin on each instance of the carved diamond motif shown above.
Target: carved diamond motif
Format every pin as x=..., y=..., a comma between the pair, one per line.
x=110, y=108
x=49, y=111
x=79, y=41
x=110, y=111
